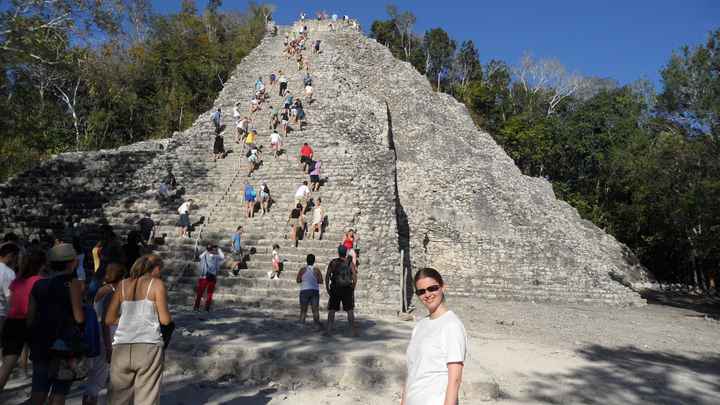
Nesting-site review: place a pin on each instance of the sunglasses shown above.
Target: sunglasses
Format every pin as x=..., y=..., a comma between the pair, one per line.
x=432, y=289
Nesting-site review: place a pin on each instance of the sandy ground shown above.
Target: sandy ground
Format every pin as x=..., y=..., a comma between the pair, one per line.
x=658, y=354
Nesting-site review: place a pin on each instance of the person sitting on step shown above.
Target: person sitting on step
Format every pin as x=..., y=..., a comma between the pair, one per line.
x=163, y=191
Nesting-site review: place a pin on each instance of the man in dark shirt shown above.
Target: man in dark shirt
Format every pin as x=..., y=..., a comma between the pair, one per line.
x=55, y=316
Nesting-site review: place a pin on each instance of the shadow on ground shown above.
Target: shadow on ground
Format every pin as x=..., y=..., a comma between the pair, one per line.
x=189, y=392
x=246, y=345
x=704, y=305
x=628, y=375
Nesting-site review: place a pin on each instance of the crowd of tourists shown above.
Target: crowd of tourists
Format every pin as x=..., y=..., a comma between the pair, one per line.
x=102, y=315
x=97, y=315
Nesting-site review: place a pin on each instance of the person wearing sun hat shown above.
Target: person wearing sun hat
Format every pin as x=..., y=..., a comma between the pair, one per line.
x=55, y=304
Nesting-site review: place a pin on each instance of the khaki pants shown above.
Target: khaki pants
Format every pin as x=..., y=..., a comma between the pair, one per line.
x=135, y=374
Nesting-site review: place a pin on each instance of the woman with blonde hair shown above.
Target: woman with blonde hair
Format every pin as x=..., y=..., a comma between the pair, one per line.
x=139, y=307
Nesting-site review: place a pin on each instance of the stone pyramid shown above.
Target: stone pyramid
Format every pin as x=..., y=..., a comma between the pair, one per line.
x=403, y=165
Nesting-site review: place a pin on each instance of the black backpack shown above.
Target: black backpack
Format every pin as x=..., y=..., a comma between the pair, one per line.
x=342, y=276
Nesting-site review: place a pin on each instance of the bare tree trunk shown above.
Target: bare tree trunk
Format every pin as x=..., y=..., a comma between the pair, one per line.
x=427, y=62
x=71, y=104
x=180, y=119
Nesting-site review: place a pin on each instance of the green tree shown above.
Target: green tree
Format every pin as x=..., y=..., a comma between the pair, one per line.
x=439, y=50
x=691, y=80
x=467, y=67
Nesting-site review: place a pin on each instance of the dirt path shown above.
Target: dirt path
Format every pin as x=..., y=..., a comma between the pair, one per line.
x=550, y=354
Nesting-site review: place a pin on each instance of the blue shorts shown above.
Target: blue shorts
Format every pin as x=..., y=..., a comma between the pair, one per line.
x=41, y=381
x=310, y=297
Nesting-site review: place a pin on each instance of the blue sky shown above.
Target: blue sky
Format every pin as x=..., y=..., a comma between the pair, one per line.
x=623, y=40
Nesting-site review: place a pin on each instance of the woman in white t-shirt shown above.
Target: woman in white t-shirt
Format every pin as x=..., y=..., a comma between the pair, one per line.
x=437, y=349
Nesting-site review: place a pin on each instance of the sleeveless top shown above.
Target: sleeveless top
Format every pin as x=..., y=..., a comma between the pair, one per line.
x=100, y=309
x=139, y=321
x=309, y=282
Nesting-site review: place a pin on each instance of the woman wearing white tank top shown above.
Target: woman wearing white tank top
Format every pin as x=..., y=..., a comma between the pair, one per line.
x=310, y=279
x=138, y=307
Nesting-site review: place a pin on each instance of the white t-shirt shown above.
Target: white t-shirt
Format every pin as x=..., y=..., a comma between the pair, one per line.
x=6, y=277
x=184, y=208
x=302, y=191
x=274, y=137
x=434, y=344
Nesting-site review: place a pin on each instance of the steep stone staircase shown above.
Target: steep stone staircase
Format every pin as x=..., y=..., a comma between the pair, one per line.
x=343, y=132
x=342, y=193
